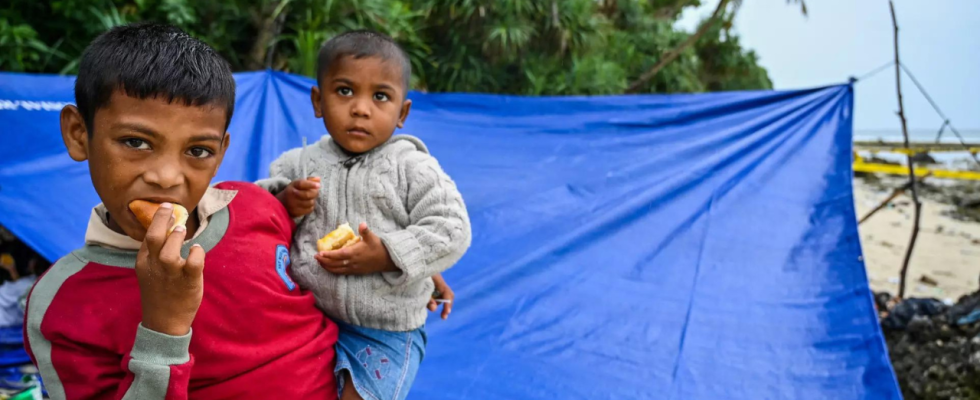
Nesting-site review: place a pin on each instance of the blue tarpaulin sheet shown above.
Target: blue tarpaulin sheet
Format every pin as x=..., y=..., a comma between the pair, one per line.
x=630, y=247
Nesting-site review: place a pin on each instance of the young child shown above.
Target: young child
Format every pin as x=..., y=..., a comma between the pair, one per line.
x=113, y=320
x=413, y=222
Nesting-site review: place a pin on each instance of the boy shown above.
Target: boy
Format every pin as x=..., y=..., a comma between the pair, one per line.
x=114, y=319
x=377, y=289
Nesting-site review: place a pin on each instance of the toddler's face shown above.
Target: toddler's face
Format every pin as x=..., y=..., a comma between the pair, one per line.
x=361, y=102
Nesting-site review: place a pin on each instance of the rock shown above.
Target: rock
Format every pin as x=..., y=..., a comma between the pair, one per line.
x=923, y=158
x=969, y=201
x=927, y=280
x=933, y=357
x=903, y=313
x=963, y=307
x=882, y=301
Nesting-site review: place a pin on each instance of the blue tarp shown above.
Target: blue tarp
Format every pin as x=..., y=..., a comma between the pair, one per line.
x=630, y=247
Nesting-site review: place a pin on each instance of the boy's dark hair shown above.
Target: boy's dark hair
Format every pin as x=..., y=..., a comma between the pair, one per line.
x=362, y=44
x=147, y=60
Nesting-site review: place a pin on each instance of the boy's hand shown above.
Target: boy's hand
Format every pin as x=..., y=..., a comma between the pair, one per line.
x=444, y=294
x=300, y=196
x=171, y=288
x=370, y=256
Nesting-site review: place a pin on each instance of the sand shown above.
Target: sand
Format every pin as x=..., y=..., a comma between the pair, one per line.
x=947, y=252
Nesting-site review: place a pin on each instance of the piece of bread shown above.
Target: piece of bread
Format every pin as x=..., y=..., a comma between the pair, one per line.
x=340, y=238
x=144, y=211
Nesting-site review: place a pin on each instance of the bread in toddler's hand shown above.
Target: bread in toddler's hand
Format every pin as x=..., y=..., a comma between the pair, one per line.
x=340, y=238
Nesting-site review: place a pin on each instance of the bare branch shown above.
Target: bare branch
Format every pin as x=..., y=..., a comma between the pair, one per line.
x=912, y=181
x=672, y=54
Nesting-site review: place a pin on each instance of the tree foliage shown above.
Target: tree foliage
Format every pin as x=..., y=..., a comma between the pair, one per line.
x=531, y=47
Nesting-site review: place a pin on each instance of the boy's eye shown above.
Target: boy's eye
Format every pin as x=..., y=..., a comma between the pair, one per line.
x=199, y=152
x=138, y=144
x=345, y=91
x=381, y=97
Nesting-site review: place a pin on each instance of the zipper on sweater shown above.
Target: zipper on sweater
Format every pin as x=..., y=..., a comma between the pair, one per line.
x=349, y=165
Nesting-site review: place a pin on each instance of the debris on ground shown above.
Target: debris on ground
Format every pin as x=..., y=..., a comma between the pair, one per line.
x=934, y=347
x=927, y=280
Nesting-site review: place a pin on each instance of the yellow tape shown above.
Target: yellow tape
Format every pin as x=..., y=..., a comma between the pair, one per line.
x=860, y=166
x=915, y=148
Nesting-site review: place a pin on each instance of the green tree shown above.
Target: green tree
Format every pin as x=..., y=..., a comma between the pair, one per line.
x=532, y=47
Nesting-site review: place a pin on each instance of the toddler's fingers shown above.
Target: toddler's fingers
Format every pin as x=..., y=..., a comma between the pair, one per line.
x=447, y=308
x=331, y=264
x=342, y=254
x=366, y=234
x=307, y=184
x=305, y=194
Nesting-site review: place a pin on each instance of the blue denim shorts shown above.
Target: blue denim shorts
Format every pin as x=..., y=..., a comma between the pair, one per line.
x=382, y=364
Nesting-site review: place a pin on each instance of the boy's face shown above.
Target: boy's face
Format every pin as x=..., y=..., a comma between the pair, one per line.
x=361, y=102
x=147, y=149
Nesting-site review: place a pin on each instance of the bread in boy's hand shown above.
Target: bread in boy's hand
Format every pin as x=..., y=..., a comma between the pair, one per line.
x=144, y=211
x=340, y=238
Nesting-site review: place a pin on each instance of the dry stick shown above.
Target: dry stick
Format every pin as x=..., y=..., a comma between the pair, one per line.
x=942, y=128
x=673, y=53
x=912, y=185
x=895, y=193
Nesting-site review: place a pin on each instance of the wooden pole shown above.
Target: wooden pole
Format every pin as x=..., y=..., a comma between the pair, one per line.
x=912, y=183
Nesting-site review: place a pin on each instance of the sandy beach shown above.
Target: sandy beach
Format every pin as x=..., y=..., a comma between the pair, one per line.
x=946, y=260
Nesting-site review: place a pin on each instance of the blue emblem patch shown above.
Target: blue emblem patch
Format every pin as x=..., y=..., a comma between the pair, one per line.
x=282, y=263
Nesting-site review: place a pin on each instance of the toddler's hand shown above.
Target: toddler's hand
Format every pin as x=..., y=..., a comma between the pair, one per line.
x=300, y=196
x=370, y=256
x=445, y=294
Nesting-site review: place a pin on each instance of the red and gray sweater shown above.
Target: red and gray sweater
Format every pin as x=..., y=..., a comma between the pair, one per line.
x=256, y=336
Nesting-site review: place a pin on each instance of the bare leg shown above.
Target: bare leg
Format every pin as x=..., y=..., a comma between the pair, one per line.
x=349, y=392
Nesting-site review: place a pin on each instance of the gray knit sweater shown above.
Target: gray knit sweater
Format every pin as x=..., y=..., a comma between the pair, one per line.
x=406, y=199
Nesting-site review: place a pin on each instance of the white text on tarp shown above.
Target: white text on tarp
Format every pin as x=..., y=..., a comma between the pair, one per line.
x=31, y=105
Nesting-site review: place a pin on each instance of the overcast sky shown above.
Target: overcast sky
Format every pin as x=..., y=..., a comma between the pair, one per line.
x=939, y=42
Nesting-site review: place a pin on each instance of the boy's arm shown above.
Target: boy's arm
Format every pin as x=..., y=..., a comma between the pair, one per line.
x=280, y=174
x=158, y=365
x=298, y=196
x=157, y=368
x=439, y=230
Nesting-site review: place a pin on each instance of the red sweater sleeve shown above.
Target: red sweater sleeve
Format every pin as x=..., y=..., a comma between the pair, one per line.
x=158, y=367
x=87, y=350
